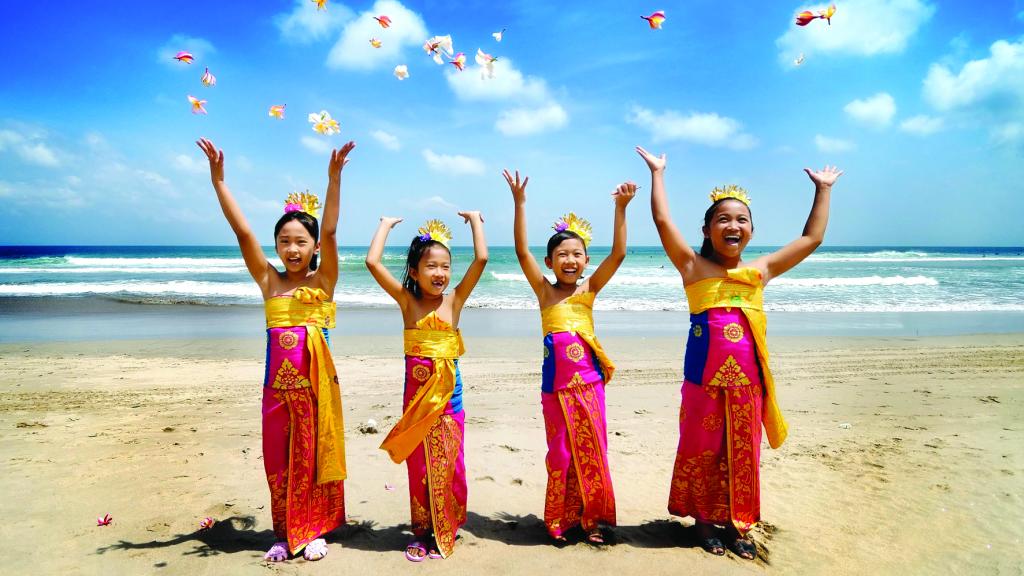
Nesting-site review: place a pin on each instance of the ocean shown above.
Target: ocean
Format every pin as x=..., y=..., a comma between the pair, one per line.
x=832, y=286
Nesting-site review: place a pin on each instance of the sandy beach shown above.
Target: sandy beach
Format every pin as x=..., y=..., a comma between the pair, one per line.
x=905, y=455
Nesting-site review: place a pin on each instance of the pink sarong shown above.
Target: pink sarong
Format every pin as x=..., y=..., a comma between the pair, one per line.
x=579, y=489
x=302, y=510
x=716, y=478
x=437, y=467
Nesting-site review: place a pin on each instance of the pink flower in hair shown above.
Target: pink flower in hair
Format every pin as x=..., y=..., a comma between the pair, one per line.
x=292, y=207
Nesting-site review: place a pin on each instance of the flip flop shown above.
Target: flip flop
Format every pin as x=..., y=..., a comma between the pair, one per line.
x=596, y=538
x=712, y=545
x=315, y=550
x=744, y=548
x=277, y=553
x=415, y=545
x=432, y=551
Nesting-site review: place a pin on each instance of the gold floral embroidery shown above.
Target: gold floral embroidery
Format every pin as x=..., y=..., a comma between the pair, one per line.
x=574, y=352
x=711, y=422
x=421, y=373
x=443, y=444
x=576, y=380
x=697, y=330
x=546, y=352
x=729, y=374
x=733, y=332
x=289, y=378
x=288, y=339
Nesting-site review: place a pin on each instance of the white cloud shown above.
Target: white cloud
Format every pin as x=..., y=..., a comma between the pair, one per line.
x=436, y=204
x=190, y=164
x=306, y=24
x=508, y=84
x=708, y=129
x=526, y=121
x=876, y=111
x=832, y=145
x=1008, y=134
x=859, y=28
x=454, y=165
x=29, y=148
x=199, y=47
x=317, y=145
x=997, y=80
x=389, y=141
x=922, y=125
x=353, y=51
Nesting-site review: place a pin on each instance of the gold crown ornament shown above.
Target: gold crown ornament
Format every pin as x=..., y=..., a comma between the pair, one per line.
x=435, y=230
x=575, y=224
x=302, y=201
x=731, y=191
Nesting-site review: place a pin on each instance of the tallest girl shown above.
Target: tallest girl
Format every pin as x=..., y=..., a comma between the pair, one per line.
x=728, y=392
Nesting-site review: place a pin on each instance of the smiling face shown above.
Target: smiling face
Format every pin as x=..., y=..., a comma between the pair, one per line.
x=296, y=246
x=433, y=272
x=730, y=228
x=568, y=260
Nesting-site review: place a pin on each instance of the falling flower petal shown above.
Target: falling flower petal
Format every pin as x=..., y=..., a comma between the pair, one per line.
x=320, y=4
x=498, y=35
x=324, y=124
x=437, y=46
x=375, y=42
x=827, y=14
x=799, y=60
x=208, y=79
x=277, y=111
x=459, y=61
x=105, y=520
x=655, y=19
x=401, y=71
x=185, y=57
x=384, y=21
x=206, y=523
x=197, y=105
x=486, y=62
x=804, y=18
x=388, y=487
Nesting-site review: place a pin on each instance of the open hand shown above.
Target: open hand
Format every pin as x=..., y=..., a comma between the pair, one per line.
x=338, y=159
x=655, y=163
x=624, y=193
x=471, y=215
x=389, y=221
x=518, y=187
x=825, y=177
x=216, y=158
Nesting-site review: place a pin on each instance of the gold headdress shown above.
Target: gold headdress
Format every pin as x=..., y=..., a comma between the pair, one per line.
x=731, y=191
x=435, y=230
x=303, y=201
x=575, y=224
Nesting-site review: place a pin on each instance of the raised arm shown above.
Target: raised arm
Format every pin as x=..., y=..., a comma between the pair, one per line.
x=476, y=267
x=623, y=194
x=380, y=273
x=252, y=252
x=793, y=253
x=526, y=260
x=679, y=252
x=328, y=270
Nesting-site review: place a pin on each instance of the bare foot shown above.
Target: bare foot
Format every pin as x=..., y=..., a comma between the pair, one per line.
x=709, y=540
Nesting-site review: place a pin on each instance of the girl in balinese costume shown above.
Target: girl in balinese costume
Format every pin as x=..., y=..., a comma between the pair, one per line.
x=728, y=393
x=303, y=432
x=575, y=369
x=429, y=436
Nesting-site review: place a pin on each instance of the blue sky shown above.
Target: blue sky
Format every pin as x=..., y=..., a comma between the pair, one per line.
x=921, y=103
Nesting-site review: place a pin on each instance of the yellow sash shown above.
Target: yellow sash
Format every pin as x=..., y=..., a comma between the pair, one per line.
x=442, y=346
x=307, y=308
x=575, y=315
x=743, y=289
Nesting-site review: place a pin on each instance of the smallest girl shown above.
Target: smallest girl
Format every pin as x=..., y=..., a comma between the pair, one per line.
x=429, y=437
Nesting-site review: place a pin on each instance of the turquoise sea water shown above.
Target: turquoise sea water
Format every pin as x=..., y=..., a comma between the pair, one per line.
x=834, y=279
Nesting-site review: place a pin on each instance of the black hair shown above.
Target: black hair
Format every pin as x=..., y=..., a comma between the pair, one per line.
x=706, y=249
x=308, y=222
x=559, y=237
x=417, y=249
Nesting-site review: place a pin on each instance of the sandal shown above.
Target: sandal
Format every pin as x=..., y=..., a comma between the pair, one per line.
x=277, y=553
x=418, y=546
x=712, y=545
x=595, y=537
x=315, y=550
x=744, y=548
